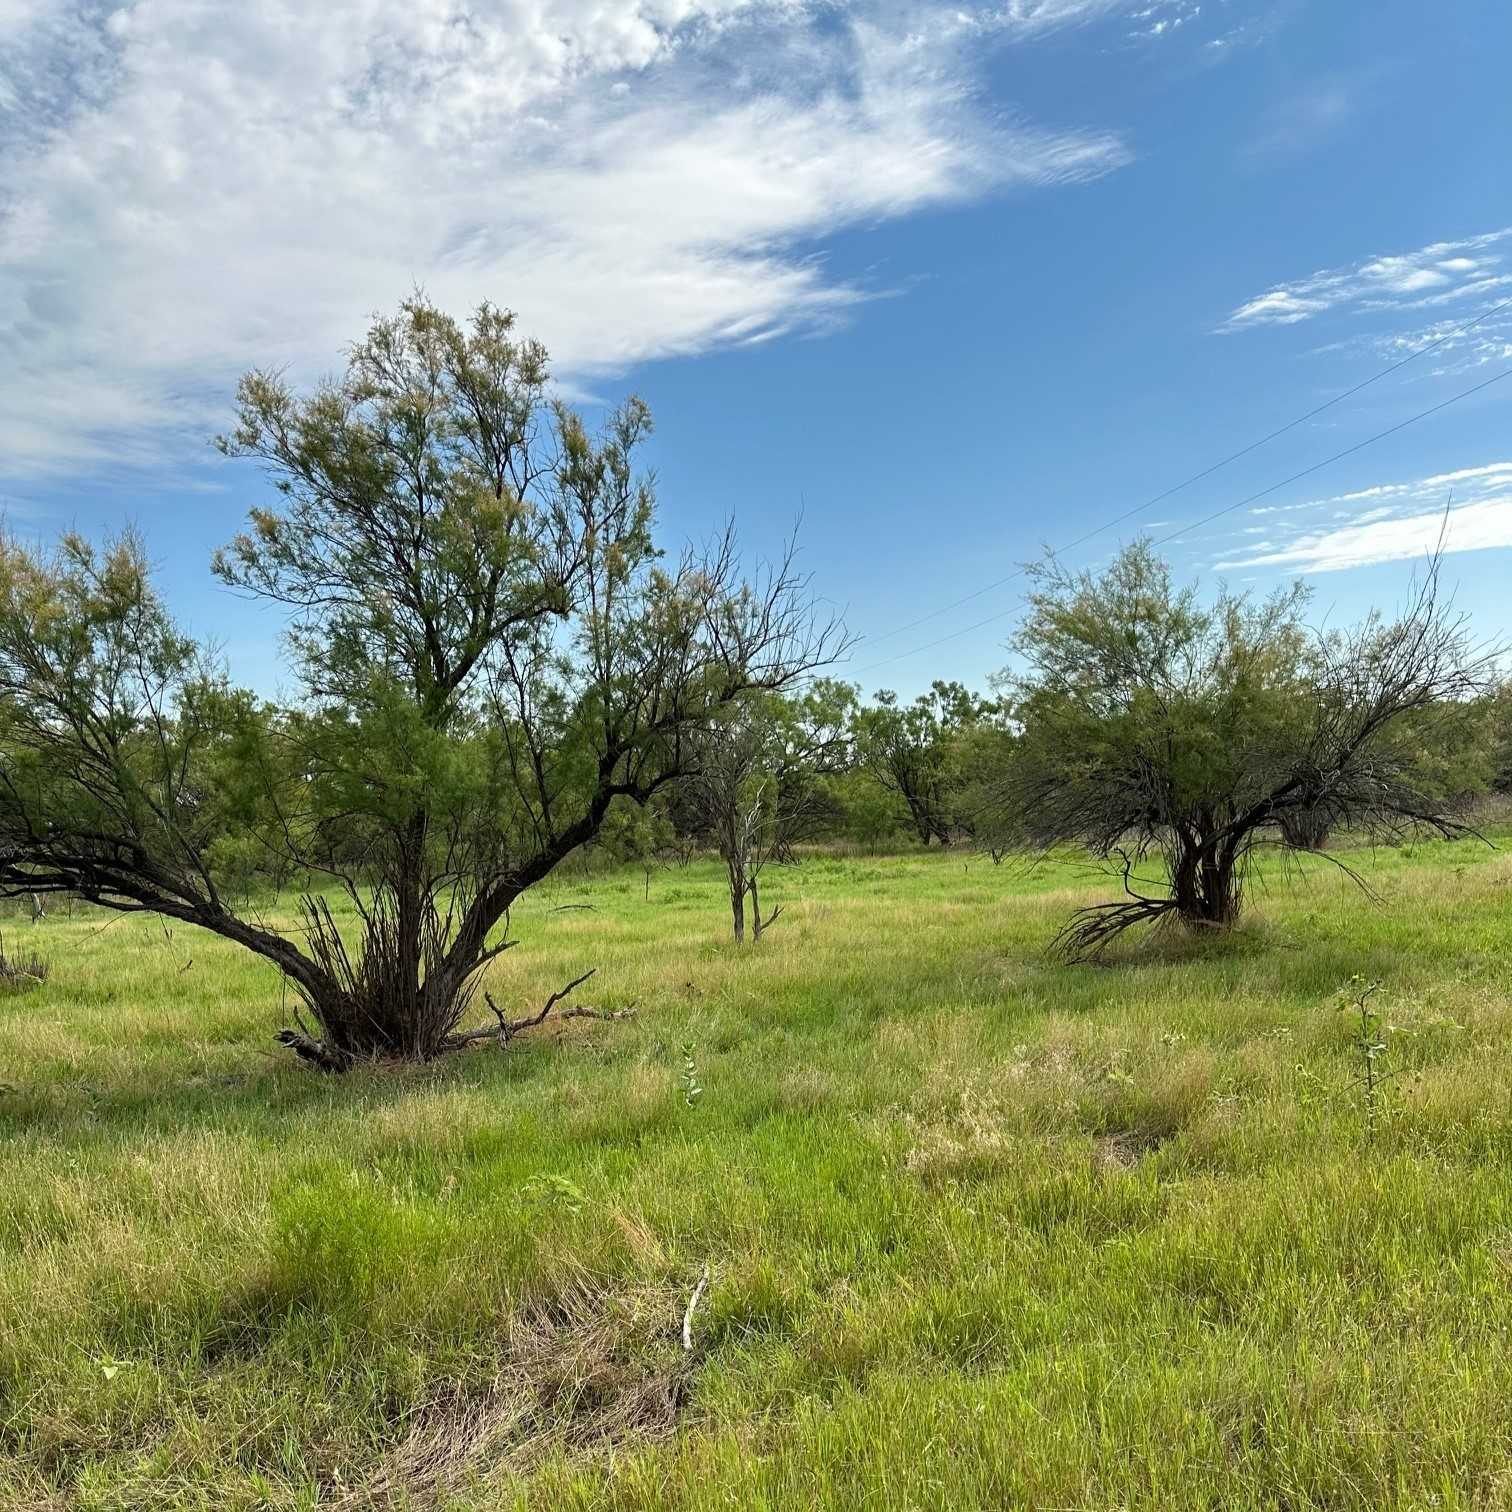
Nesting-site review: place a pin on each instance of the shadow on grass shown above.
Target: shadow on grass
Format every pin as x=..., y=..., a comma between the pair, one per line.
x=270, y=1087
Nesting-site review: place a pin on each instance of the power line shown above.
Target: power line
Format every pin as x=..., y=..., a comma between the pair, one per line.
x=1217, y=514
x=1206, y=472
x=1348, y=451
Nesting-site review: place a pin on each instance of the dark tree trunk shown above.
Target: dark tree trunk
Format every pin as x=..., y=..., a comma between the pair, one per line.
x=1204, y=883
x=918, y=811
x=1305, y=829
x=758, y=924
x=735, y=870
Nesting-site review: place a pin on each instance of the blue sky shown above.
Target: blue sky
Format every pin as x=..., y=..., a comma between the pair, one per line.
x=953, y=283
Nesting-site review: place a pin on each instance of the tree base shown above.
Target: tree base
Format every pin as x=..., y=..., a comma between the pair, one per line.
x=316, y=1052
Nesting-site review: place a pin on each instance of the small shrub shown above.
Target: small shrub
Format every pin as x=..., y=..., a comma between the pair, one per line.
x=22, y=970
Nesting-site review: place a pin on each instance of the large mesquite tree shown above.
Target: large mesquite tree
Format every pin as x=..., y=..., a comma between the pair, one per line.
x=489, y=650
x=1154, y=728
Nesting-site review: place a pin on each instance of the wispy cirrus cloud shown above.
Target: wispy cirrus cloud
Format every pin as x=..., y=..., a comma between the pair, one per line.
x=186, y=190
x=1443, y=273
x=1145, y=18
x=1459, y=345
x=1386, y=523
x=1314, y=113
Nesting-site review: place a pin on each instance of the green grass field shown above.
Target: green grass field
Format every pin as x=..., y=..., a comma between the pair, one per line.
x=983, y=1231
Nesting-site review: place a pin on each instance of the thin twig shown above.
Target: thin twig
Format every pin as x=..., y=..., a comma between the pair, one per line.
x=693, y=1301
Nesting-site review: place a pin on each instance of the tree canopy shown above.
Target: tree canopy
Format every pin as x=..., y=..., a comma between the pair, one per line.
x=1151, y=724
x=754, y=787
x=489, y=651
x=915, y=752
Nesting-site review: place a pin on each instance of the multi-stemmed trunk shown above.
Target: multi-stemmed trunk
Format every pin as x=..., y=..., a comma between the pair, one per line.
x=743, y=885
x=1204, y=882
x=404, y=992
x=1205, y=861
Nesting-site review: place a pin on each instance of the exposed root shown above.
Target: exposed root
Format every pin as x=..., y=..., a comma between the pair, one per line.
x=310, y=1050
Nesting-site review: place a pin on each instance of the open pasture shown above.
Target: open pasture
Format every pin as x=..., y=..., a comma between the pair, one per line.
x=982, y=1230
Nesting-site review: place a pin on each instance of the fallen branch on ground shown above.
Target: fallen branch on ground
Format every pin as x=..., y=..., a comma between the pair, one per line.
x=307, y=1048
x=506, y=1029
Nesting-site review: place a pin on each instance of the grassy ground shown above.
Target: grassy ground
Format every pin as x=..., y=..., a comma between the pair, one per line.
x=983, y=1231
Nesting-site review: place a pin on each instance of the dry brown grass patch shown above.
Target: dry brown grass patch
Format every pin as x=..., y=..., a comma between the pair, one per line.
x=587, y=1374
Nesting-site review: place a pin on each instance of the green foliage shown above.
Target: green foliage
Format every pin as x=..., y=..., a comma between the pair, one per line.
x=119, y=737
x=1152, y=723
x=553, y=1189
x=490, y=649
x=755, y=789
x=929, y=755
x=637, y=832
x=864, y=811
x=1495, y=740
x=1139, y=705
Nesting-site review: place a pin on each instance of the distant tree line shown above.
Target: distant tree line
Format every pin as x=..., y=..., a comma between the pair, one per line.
x=1170, y=738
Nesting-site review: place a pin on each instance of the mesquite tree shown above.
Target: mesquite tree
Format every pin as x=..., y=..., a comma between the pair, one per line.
x=754, y=791
x=911, y=751
x=1152, y=727
x=489, y=649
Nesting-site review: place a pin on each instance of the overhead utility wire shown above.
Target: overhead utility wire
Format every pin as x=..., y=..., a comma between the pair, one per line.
x=1207, y=472
x=1217, y=513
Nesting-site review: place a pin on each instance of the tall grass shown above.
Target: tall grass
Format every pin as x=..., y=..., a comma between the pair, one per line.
x=982, y=1230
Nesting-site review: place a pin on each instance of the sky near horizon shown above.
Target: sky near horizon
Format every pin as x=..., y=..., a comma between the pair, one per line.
x=950, y=283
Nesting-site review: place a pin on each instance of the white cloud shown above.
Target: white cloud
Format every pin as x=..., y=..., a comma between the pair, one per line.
x=1394, y=521
x=1440, y=274
x=1475, y=527
x=1456, y=350
x=1474, y=482
x=186, y=190
x=1152, y=18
